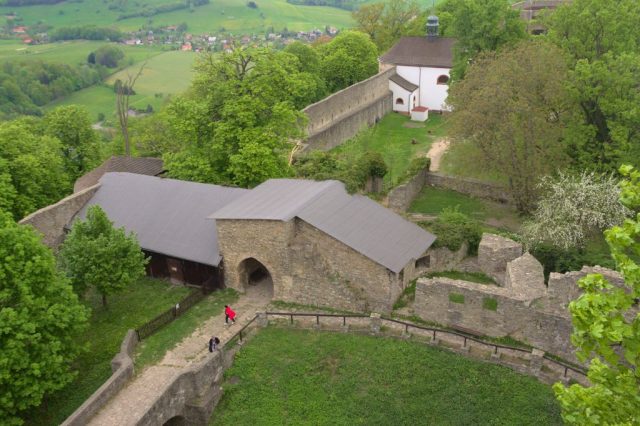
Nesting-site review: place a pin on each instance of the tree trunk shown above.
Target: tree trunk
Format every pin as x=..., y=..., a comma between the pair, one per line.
x=104, y=300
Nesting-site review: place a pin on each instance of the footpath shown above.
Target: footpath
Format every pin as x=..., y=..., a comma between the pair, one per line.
x=133, y=401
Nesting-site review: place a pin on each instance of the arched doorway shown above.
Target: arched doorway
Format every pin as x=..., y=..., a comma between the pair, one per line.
x=255, y=277
x=175, y=421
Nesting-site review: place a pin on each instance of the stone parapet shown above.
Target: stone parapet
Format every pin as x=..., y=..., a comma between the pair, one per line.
x=494, y=252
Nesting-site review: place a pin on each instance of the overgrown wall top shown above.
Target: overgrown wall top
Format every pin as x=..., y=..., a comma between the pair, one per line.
x=401, y=197
x=473, y=187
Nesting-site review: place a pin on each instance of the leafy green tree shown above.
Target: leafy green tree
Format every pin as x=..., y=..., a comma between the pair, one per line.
x=607, y=329
x=603, y=48
x=40, y=317
x=99, y=255
x=513, y=107
x=34, y=165
x=479, y=26
x=108, y=56
x=386, y=22
x=72, y=127
x=347, y=59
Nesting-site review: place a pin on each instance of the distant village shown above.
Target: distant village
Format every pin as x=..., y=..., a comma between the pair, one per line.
x=179, y=38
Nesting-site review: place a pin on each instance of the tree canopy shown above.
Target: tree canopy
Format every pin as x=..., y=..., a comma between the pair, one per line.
x=512, y=106
x=347, y=59
x=386, y=22
x=40, y=317
x=99, y=255
x=607, y=329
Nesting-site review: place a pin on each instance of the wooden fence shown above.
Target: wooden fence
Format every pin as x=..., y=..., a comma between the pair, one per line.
x=171, y=314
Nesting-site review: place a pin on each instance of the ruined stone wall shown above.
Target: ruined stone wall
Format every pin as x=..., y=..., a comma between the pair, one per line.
x=473, y=187
x=401, y=197
x=51, y=220
x=563, y=288
x=522, y=319
x=267, y=241
x=326, y=272
x=342, y=115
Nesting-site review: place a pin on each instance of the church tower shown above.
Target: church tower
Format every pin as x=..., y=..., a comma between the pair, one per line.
x=433, y=24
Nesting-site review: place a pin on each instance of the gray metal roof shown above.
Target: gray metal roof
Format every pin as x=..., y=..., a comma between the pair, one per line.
x=405, y=84
x=169, y=216
x=355, y=220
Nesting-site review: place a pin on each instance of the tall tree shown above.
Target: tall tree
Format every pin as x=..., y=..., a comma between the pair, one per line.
x=32, y=166
x=479, y=26
x=603, y=48
x=349, y=58
x=72, y=127
x=99, y=255
x=40, y=317
x=513, y=107
x=123, y=91
x=607, y=330
x=386, y=22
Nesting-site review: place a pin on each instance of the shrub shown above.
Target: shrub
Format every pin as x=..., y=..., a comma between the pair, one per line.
x=556, y=259
x=417, y=164
x=453, y=228
x=490, y=303
x=456, y=297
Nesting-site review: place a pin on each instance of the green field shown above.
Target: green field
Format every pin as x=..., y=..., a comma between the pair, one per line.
x=295, y=377
x=392, y=138
x=165, y=74
x=138, y=304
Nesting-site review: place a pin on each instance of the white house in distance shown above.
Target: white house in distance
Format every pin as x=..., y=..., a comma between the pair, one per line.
x=423, y=66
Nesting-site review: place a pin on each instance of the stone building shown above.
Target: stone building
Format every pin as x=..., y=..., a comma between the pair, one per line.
x=308, y=242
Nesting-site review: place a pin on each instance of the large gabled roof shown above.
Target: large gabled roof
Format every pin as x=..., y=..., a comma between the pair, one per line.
x=436, y=52
x=168, y=216
x=355, y=220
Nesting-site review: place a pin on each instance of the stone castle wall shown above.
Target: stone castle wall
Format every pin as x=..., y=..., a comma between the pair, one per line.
x=51, y=220
x=342, y=115
x=473, y=187
x=401, y=197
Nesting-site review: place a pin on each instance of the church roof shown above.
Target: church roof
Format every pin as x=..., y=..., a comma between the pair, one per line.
x=434, y=52
x=406, y=85
x=168, y=216
x=355, y=220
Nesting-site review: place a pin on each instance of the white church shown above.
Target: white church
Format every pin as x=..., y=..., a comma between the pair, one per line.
x=423, y=66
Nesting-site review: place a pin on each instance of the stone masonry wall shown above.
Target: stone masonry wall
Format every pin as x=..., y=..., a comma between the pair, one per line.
x=51, y=220
x=122, y=368
x=326, y=272
x=517, y=318
x=342, y=115
x=267, y=241
x=473, y=187
x=401, y=197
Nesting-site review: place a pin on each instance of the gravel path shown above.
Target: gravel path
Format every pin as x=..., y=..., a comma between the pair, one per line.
x=132, y=402
x=438, y=148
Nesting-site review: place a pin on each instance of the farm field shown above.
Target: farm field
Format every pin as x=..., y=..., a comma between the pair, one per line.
x=311, y=377
x=167, y=74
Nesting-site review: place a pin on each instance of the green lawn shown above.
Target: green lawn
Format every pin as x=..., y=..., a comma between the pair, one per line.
x=301, y=377
x=154, y=347
x=166, y=74
x=138, y=304
x=392, y=137
x=431, y=201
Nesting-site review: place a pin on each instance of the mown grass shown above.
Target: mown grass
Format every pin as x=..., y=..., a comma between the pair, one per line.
x=322, y=378
x=138, y=304
x=153, y=348
x=392, y=139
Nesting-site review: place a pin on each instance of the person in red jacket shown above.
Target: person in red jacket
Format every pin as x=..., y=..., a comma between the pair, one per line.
x=229, y=314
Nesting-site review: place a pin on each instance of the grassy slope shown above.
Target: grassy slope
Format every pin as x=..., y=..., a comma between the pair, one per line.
x=306, y=377
x=138, y=304
x=392, y=139
x=167, y=73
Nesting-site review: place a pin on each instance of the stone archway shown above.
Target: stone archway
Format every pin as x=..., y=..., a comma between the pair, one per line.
x=175, y=421
x=255, y=277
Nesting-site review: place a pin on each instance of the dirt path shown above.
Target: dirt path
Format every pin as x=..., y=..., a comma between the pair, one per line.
x=132, y=402
x=438, y=148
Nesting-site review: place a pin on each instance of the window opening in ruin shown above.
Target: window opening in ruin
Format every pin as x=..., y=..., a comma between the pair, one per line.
x=423, y=262
x=399, y=101
x=443, y=79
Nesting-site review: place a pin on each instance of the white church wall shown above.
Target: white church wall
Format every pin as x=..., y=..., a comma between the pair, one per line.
x=400, y=93
x=432, y=94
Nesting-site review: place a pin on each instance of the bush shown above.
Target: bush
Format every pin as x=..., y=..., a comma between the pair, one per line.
x=454, y=228
x=556, y=259
x=417, y=164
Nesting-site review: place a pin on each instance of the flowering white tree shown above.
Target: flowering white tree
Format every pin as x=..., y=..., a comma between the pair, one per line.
x=573, y=207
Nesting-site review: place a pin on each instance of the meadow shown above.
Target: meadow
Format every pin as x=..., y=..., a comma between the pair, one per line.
x=163, y=75
x=302, y=377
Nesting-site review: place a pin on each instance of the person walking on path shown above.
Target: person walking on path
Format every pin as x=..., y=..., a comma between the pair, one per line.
x=213, y=344
x=229, y=314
